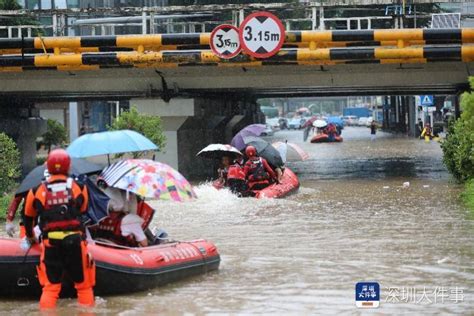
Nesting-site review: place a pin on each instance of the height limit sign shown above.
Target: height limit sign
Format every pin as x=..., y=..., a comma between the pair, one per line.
x=262, y=35
x=225, y=41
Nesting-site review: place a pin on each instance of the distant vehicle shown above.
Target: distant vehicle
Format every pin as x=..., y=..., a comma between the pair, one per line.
x=274, y=123
x=359, y=112
x=295, y=123
x=283, y=123
x=350, y=120
x=362, y=121
x=268, y=131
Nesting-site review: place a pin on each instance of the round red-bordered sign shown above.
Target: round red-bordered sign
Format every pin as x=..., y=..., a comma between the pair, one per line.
x=225, y=41
x=262, y=34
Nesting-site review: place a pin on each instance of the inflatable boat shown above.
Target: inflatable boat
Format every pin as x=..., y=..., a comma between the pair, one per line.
x=324, y=138
x=289, y=184
x=120, y=270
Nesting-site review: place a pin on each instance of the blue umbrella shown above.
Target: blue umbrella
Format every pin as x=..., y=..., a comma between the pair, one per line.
x=106, y=143
x=335, y=120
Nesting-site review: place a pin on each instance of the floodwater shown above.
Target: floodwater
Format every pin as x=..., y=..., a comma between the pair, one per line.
x=351, y=221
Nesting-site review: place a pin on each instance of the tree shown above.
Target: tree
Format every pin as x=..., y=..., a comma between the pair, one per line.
x=12, y=5
x=458, y=148
x=9, y=163
x=148, y=125
x=55, y=134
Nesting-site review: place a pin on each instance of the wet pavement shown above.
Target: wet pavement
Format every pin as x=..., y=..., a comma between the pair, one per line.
x=351, y=221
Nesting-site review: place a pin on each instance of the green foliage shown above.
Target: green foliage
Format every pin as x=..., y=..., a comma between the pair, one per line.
x=17, y=20
x=9, y=5
x=4, y=203
x=55, y=135
x=458, y=148
x=9, y=164
x=148, y=125
x=468, y=194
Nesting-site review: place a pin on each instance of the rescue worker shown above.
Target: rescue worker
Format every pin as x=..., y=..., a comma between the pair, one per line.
x=258, y=172
x=427, y=132
x=13, y=207
x=236, y=178
x=331, y=132
x=59, y=202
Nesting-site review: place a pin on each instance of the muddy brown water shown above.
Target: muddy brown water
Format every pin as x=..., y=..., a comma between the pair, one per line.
x=351, y=221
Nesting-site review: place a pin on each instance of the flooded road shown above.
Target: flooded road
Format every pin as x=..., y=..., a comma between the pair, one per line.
x=351, y=221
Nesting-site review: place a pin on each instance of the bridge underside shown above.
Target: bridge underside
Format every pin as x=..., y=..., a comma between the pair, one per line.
x=277, y=80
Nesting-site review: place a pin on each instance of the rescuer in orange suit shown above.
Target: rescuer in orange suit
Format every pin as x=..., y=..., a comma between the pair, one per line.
x=59, y=203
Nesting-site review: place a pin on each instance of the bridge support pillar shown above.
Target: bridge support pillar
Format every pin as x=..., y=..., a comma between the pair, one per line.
x=191, y=124
x=412, y=130
x=21, y=122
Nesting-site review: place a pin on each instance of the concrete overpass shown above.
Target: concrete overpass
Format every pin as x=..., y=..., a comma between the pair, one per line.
x=204, y=99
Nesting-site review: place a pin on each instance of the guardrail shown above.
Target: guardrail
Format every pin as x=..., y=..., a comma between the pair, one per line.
x=404, y=37
x=175, y=50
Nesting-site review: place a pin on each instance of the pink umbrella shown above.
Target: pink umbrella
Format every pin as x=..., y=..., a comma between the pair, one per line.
x=290, y=151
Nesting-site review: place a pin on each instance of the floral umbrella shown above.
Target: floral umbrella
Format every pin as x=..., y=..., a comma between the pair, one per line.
x=149, y=179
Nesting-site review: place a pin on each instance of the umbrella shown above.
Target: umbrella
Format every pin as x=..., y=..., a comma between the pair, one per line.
x=320, y=123
x=113, y=142
x=34, y=178
x=149, y=179
x=309, y=122
x=335, y=120
x=216, y=151
x=290, y=151
x=98, y=202
x=251, y=130
x=265, y=150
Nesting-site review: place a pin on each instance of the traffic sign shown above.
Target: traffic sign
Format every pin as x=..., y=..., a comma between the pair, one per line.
x=225, y=41
x=426, y=100
x=262, y=35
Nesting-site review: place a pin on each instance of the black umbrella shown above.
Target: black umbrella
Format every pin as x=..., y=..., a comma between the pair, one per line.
x=265, y=150
x=34, y=178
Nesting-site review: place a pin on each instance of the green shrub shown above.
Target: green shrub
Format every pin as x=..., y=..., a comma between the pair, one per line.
x=4, y=202
x=9, y=164
x=55, y=135
x=148, y=125
x=458, y=147
x=468, y=194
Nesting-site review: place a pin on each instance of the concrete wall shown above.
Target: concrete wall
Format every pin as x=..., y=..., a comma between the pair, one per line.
x=192, y=124
x=173, y=115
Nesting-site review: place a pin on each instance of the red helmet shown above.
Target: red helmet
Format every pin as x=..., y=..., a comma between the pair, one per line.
x=58, y=162
x=250, y=151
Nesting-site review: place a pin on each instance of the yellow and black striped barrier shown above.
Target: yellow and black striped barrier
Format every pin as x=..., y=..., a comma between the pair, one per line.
x=301, y=39
x=324, y=56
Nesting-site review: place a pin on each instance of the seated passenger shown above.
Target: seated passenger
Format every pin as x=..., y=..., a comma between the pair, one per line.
x=236, y=178
x=123, y=225
x=258, y=172
x=223, y=170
